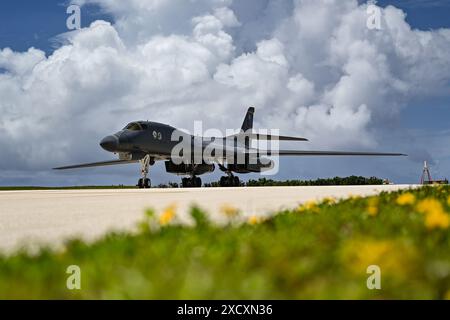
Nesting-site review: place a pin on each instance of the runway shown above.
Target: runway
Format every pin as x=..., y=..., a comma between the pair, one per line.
x=34, y=218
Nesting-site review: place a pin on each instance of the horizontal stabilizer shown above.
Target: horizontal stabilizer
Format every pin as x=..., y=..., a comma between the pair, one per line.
x=97, y=164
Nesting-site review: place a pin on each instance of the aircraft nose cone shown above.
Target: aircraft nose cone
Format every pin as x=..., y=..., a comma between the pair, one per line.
x=109, y=143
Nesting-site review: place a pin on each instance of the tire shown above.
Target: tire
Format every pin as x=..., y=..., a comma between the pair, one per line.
x=223, y=181
x=198, y=182
x=236, y=181
x=187, y=183
x=140, y=184
x=147, y=183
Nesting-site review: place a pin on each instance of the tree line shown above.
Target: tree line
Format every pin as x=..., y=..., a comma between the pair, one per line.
x=336, y=181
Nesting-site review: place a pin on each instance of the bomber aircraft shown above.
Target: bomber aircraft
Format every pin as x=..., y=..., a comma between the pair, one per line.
x=191, y=156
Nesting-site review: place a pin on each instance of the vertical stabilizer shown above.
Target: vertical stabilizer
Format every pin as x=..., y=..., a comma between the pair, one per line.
x=248, y=121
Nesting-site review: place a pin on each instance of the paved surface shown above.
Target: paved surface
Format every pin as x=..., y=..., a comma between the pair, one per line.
x=33, y=218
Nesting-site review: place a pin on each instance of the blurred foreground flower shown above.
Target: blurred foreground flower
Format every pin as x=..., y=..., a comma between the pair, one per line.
x=372, y=207
x=435, y=216
x=254, y=220
x=393, y=257
x=406, y=199
x=329, y=200
x=354, y=197
x=437, y=220
x=168, y=215
x=229, y=211
x=308, y=206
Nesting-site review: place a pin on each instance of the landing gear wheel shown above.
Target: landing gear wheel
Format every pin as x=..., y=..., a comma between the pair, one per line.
x=185, y=182
x=230, y=181
x=223, y=181
x=144, y=182
x=194, y=182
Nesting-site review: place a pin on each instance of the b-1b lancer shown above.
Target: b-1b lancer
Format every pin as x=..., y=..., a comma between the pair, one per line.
x=188, y=155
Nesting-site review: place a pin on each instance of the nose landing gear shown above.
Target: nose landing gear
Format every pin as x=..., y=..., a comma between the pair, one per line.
x=144, y=182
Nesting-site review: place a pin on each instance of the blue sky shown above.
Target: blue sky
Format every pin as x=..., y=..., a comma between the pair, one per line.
x=28, y=23
x=424, y=14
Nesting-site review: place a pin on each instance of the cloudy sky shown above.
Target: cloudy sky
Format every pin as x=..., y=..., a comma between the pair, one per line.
x=312, y=68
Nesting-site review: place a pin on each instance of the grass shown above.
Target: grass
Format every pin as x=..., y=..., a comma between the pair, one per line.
x=320, y=250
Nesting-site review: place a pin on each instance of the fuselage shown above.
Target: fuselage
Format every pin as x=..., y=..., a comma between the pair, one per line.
x=162, y=141
x=142, y=137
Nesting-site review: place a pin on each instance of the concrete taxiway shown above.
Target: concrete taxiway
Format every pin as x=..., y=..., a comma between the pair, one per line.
x=51, y=217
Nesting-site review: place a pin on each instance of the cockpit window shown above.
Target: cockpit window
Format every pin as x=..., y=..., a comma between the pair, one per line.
x=144, y=126
x=134, y=126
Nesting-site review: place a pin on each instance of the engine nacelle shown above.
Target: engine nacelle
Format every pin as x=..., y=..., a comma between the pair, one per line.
x=260, y=165
x=189, y=169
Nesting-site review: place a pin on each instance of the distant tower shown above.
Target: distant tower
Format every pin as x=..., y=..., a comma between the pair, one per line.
x=426, y=176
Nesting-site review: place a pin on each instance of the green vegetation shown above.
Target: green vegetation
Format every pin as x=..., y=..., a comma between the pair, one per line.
x=319, y=250
x=336, y=181
x=263, y=182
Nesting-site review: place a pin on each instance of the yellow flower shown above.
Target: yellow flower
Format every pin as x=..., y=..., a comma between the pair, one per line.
x=168, y=215
x=354, y=197
x=372, y=208
x=254, y=220
x=309, y=206
x=435, y=216
x=429, y=205
x=437, y=219
x=393, y=257
x=372, y=211
x=229, y=211
x=406, y=199
x=329, y=200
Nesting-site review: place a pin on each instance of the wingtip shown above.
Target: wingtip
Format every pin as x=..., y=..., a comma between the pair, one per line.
x=299, y=139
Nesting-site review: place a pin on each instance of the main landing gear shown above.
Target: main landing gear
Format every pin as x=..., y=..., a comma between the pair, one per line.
x=193, y=182
x=230, y=181
x=144, y=182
